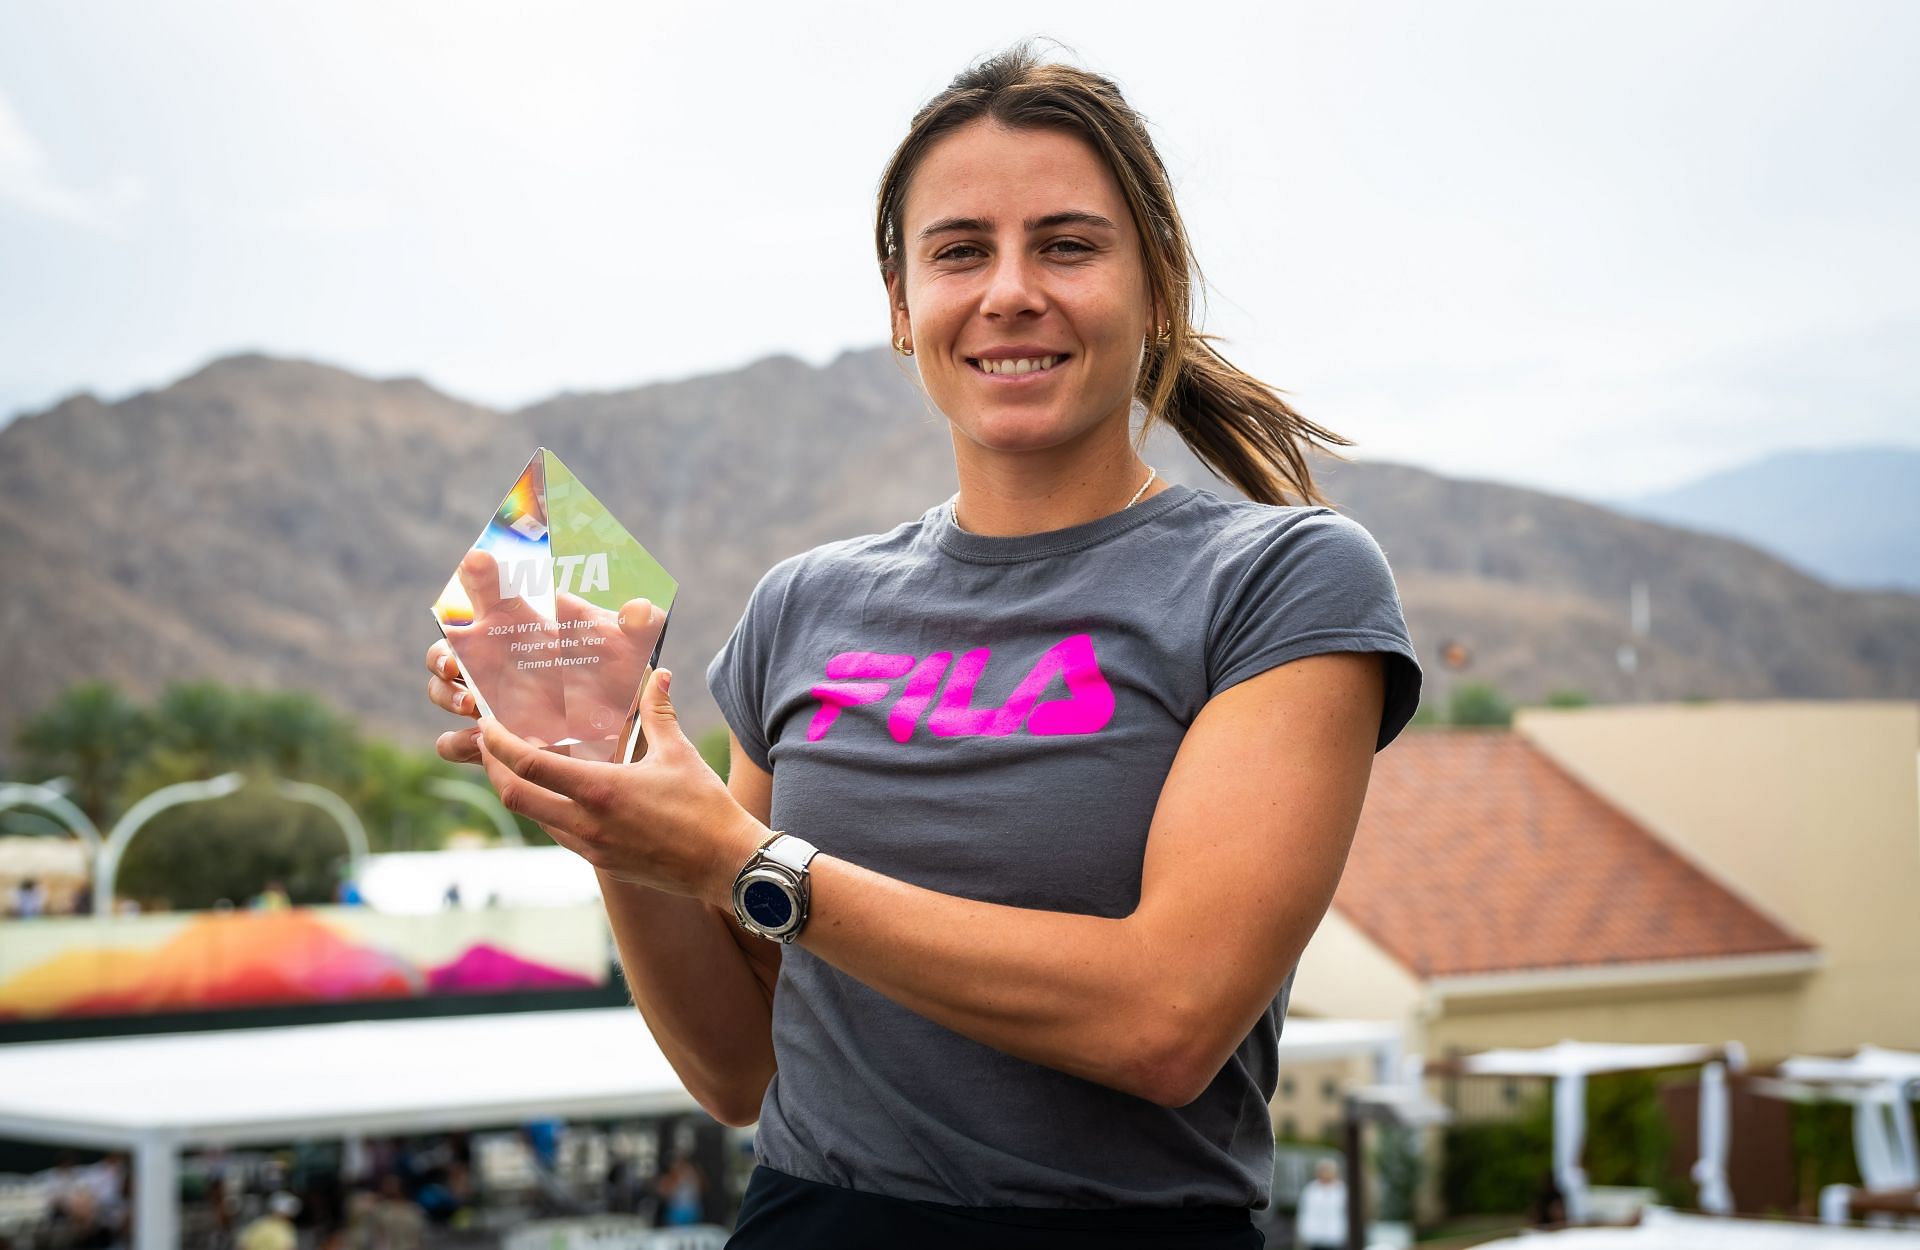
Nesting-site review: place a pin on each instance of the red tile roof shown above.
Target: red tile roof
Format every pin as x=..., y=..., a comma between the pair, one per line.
x=1476, y=852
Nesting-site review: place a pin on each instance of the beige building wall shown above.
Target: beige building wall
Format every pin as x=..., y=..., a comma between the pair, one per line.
x=1309, y=1102
x=1810, y=810
x=1763, y=1020
x=1343, y=974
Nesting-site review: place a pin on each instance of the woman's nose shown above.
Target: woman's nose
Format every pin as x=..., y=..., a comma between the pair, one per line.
x=1013, y=286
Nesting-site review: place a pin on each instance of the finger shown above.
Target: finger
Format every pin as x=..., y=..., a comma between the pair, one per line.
x=479, y=576
x=577, y=782
x=454, y=698
x=528, y=798
x=440, y=661
x=459, y=746
x=640, y=618
x=659, y=722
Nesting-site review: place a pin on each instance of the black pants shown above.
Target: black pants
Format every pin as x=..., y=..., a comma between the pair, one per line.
x=782, y=1212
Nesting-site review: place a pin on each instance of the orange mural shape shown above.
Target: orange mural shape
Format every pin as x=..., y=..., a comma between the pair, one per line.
x=227, y=959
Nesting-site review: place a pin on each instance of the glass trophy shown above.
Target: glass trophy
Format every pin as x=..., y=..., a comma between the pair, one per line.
x=533, y=614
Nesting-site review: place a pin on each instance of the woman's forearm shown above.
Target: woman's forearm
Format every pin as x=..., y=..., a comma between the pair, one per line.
x=1073, y=992
x=699, y=994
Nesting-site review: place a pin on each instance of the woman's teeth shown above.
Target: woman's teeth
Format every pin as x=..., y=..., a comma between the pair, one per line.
x=1030, y=364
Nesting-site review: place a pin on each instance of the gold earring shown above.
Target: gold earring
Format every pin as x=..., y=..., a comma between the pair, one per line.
x=1166, y=331
x=902, y=346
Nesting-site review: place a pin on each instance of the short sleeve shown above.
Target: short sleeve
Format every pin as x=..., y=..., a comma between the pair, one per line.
x=1306, y=581
x=737, y=674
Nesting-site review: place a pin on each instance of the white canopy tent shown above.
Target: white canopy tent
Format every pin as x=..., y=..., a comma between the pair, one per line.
x=159, y=1095
x=416, y=882
x=1662, y=1229
x=1881, y=1084
x=156, y=1096
x=1570, y=1063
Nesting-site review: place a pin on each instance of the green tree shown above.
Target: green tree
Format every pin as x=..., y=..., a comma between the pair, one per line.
x=388, y=787
x=1396, y=1158
x=1495, y=1167
x=194, y=855
x=1568, y=698
x=92, y=735
x=715, y=746
x=1478, y=703
x=1628, y=1138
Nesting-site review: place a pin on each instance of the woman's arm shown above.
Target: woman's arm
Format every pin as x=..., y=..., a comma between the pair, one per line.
x=1246, y=846
x=703, y=984
x=1247, y=843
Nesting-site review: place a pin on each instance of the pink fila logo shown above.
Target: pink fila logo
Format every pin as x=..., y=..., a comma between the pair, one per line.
x=869, y=676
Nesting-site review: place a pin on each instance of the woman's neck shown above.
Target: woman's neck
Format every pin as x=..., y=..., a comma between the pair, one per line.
x=1008, y=505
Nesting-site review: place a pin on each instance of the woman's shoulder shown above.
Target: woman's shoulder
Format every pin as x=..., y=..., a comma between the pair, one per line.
x=1232, y=531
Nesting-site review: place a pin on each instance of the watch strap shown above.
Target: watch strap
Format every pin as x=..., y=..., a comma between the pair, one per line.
x=789, y=852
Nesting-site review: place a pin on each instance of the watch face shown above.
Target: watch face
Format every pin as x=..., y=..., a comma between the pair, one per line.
x=767, y=904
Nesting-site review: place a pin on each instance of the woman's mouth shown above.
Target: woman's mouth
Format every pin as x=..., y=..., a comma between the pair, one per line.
x=1010, y=370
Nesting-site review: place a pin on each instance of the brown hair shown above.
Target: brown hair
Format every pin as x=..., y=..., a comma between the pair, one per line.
x=1237, y=425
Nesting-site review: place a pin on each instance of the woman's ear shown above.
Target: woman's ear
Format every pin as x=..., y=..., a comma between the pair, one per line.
x=897, y=309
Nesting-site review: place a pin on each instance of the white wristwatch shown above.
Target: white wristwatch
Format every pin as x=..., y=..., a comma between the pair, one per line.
x=771, y=894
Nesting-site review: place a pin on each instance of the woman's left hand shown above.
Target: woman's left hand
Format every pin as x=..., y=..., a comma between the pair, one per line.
x=666, y=821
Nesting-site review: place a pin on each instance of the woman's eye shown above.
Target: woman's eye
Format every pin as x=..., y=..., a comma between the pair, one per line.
x=955, y=252
x=1074, y=244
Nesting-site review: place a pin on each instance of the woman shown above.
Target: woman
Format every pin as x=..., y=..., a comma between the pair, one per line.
x=1067, y=767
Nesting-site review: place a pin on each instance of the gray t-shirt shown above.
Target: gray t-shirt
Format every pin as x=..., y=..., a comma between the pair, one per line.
x=994, y=718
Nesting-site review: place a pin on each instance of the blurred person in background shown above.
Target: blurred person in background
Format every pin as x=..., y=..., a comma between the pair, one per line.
x=29, y=899
x=1321, y=1220
x=273, y=1230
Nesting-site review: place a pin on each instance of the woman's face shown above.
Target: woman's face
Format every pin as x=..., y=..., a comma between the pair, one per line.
x=1026, y=298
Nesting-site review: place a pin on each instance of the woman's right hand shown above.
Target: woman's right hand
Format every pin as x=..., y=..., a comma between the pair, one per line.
x=446, y=689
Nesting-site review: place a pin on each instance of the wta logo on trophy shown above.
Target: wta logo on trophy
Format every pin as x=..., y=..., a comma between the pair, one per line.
x=539, y=577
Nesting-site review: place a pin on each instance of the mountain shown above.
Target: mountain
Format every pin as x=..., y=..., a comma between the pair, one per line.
x=274, y=522
x=1851, y=517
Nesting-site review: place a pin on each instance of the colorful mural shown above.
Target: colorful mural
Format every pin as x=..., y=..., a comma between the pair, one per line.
x=213, y=960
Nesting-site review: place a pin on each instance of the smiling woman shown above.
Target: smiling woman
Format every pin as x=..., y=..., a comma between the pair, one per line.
x=1036, y=798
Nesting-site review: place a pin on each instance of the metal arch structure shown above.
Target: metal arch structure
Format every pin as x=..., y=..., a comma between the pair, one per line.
x=336, y=807
x=483, y=798
x=106, y=871
x=107, y=864
x=50, y=800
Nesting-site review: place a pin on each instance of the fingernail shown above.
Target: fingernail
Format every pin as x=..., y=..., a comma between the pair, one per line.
x=460, y=701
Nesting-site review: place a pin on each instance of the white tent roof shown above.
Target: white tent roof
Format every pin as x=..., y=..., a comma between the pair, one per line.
x=1870, y=1065
x=161, y=1094
x=378, y=1076
x=414, y=882
x=1308, y=1040
x=1663, y=1229
x=1586, y=1058
x=368, y=1076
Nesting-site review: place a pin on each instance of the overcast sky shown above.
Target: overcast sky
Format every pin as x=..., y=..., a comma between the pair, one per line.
x=1596, y=247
